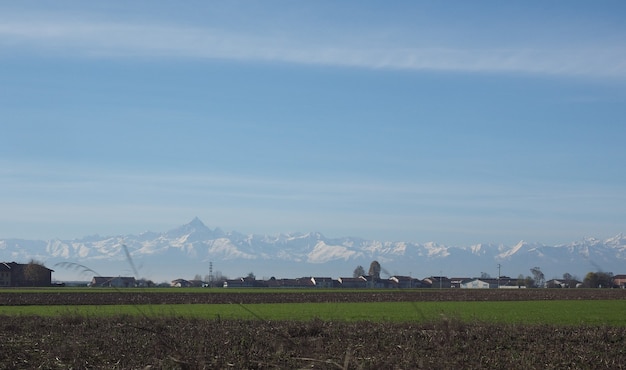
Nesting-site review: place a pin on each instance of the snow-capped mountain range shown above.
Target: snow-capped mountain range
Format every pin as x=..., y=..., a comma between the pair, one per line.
x=188, y=250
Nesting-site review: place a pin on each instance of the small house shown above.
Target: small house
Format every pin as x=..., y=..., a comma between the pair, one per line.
x=563, y=283
x=181, y=283
x=322, y=282
x=113, y=282
x=305, y=282
x=619, y=281
x=438, y=282
x=239, y=283
x=398, y=281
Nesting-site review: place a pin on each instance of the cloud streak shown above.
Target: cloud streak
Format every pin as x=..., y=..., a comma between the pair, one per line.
x=58, y=199
x=100, y=39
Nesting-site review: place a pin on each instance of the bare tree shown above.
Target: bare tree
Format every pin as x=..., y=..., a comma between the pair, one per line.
x=374, y=271
x=598, y=280
x=591, y=280
x=35, y=273
x=529, y=282
x=538, y=276
x=358, y=271
x=145, y=283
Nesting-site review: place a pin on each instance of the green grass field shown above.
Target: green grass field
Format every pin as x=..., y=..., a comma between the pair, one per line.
x=591, y=312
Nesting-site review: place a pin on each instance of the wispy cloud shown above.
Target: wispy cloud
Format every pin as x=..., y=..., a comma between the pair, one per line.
x=118, y=39
x=63, y=199
x=85, y=187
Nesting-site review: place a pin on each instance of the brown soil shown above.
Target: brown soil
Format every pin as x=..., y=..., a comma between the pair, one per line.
x=139, y=296
x=170, y=343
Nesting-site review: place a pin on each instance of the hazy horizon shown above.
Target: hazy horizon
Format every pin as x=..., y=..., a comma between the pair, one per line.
x=189, y=249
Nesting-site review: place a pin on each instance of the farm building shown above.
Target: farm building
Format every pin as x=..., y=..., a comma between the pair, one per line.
x=489, y=283
x=24, y=274
x=305, y=282
x=477, y=284
x=348, y=282
x=113, y=282
x=181, y=283
x=438, y=282
x=247, y=282
x=322, y=282
x=563, y=283
x=405, y=282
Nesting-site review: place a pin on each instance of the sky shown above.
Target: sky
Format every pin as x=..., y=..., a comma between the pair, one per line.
x=455, y=122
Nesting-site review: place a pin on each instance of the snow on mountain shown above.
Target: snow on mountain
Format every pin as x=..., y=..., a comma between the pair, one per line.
x=323, y=252
x=225, y=248
x=436, y=250
x=509, y=253
x=186, y=250
x=481, y=249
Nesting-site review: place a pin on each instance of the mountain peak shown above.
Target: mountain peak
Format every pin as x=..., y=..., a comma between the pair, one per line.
x=196, y=226
x=197, y=223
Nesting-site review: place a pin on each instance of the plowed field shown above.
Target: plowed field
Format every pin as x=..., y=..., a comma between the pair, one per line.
x=130, y=296
x=175, y=343
x=128, y=342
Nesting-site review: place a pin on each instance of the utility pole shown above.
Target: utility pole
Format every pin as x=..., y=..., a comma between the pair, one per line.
x=440, y=277
x=211, y=274
x=499, y=276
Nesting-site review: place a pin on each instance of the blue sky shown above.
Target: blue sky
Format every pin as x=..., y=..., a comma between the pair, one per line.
x=452, y=122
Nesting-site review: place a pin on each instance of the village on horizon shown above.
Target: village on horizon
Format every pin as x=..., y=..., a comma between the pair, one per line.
x=34, y=274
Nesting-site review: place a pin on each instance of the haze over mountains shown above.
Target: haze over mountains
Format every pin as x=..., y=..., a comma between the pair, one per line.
x=186, y=251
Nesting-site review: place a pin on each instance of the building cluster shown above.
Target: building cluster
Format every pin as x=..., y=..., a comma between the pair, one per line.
x=34, y=274
x=396, y=281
